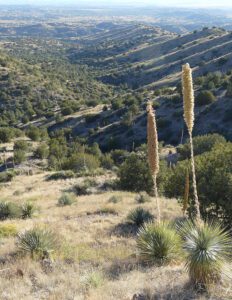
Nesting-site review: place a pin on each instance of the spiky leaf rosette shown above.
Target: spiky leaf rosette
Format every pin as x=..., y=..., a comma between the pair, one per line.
x=37, y=242
x=158, y=243
x=208, y=247
x=188, y=95
x=139, y=216
x=152, y=141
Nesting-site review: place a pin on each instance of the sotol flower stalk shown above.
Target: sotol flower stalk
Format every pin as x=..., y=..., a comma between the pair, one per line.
x=188, y=95
x=153, y=151
x=186, y=193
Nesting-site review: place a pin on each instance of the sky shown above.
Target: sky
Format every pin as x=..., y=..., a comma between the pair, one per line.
x=178, y=3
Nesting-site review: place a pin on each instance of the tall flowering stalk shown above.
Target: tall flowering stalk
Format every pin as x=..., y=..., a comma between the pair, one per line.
x=188, y=96
x=153, y=152
x=186, y=193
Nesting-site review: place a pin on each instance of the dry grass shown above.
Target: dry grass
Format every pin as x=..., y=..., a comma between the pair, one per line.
x=97, y=259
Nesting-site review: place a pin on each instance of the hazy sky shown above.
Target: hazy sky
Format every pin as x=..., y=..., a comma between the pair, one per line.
x=184, y=3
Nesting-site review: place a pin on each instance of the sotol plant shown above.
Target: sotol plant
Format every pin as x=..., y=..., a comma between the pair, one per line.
x=208, y=245
x=188, y=95
x=186, y=193
x=158, y=243
x=37, y=242
x=28, y=210
x=153, y=152
x=139, y=216
x=208, y=248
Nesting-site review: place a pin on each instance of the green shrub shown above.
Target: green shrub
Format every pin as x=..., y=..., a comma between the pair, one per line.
x=214, y=178
x=21, y=145
x=119, y=156
x=38, y=242
x=139, y=216
x=115, y=199
x=7, y=176
x=201, y=144
x=208, y=248
x=28, y=210
x=19, y=156
x=82, y=162
x=66, y=199
x=82, y=189
x=33, y=133
x=8, y=133
x=142, y=198
x=158, y=243
x=7, y=230
x=9, y=210
x=62, y=175
x=107, y=162
x=42, y=151
x=204, y=98
x=94, y=280
x=134, y=175
x=66, y=111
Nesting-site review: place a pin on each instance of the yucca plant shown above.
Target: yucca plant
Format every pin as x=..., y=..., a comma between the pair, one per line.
x=158, y=243
x=139, y=216
x=37, y=242
x=153, y=152
x=188, y=96
x=28, y=210
x=208, y=247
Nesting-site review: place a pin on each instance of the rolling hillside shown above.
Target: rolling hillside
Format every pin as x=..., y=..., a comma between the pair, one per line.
x=31, y=91
x=97, y=85
x=157, y=60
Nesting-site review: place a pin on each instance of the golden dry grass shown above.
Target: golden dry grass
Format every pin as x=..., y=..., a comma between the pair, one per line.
x=98, y=257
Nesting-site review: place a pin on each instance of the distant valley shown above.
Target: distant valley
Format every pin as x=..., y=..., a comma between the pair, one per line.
x=94, y=76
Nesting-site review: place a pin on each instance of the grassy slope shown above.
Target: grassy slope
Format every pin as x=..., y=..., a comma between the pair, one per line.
x=100, y=261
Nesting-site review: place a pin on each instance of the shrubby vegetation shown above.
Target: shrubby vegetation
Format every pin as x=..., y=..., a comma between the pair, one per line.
x=142, y=198
x=7, y=175
x=66, y=199
x=201, y=144
x=213, y=169
x=56, y=89
x=134, y=174
x=53, y=82
x=204, y=98
x=9, y=133
x=11, y=210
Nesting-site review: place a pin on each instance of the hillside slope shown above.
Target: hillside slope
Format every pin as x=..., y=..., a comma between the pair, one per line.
x=59, y=85
x=158, y=61
x=28, y=92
